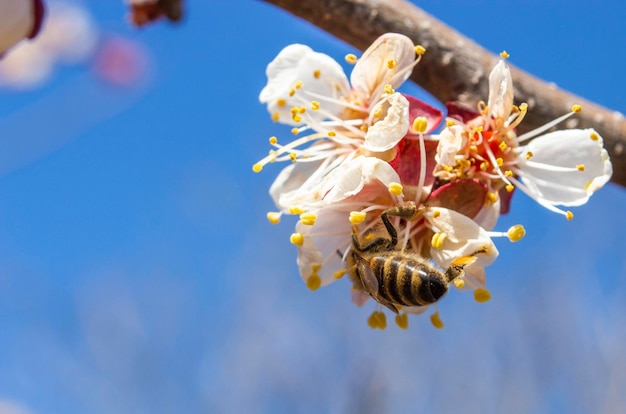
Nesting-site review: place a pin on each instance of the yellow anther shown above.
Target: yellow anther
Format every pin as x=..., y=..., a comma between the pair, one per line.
x=293, y=157
x=449, y=122
x=420, y=124
x=479, y=129
x=594, y=136
x=295, y=210
x=438, y=239
x=482, y=295
x=577, y=108
x=502, y=145
x=308, y=219
x=500, y=162
x=508, y=173
x=419, y=50
x=473, y=148
x=314, y=282
x=363, y=127
x=294, y=110
x=338, y=274
x=504, y=54
x=458, y=282
x=436, y=213
x=315, y=105
x=372, y=321
x=402, y=320
x=388, y=89
x=296, y=118
x=351, y=58
x=516, y=233
x=395, y=189
x=569, y=215
x=273, y=140
x=295, y=131
x=391, y=63
x=292, y=92
x=281, y=102
x=464, y=163
x=357, y=217
x=491, y=197
x=273, y=217
x=484, y=166
x=257, y=167
x=317, y=73
x=315, y=268
x=523, y=107
x=382, y=320
x=302, y=109
x=435, y=319
x=529, y=155
x=580, y=167
x=510, y=188
x=297, y=239
x=298, y=84
x=275, y=116
x=332, y=133
x=378, y=112
x=377, y=320
x=448, y=168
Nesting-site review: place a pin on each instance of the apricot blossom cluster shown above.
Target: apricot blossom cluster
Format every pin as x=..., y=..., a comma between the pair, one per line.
x=361, y=148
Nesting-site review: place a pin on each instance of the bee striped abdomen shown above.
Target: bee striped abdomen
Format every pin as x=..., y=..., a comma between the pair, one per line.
x=406, y=281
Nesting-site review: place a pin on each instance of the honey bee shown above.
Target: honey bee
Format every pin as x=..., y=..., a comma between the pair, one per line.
x=395, y=278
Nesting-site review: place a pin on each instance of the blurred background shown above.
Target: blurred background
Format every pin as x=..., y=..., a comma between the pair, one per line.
x=138, y=273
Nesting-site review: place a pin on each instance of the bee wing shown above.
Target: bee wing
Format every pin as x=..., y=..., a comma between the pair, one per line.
x=370, y=282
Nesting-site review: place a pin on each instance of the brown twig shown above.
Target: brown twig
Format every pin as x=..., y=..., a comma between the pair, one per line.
x=456, y=68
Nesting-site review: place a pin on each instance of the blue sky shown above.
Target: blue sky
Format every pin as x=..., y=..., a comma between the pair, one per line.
x=138, y=272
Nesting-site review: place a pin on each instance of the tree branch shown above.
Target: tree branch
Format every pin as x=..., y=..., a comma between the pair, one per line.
x=456, y=68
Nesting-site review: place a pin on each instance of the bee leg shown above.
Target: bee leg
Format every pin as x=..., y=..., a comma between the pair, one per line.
x=390, y=229
x=373, y=245
x=408, y=212
x=370, y=282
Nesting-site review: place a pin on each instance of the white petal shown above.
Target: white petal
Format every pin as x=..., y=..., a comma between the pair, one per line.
x=26, y=66
x=565, y=149
x=475, y=276
x=463, y=238
x=450, y=143
x=299, y=63
x=500, y=91
x=331, y=232
x=371, y=73
x=386, y=133
x=352, y=177
x=69, y=33
x=359, y=297
x=295, y=185
x=16, y=22
x=488, y=215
